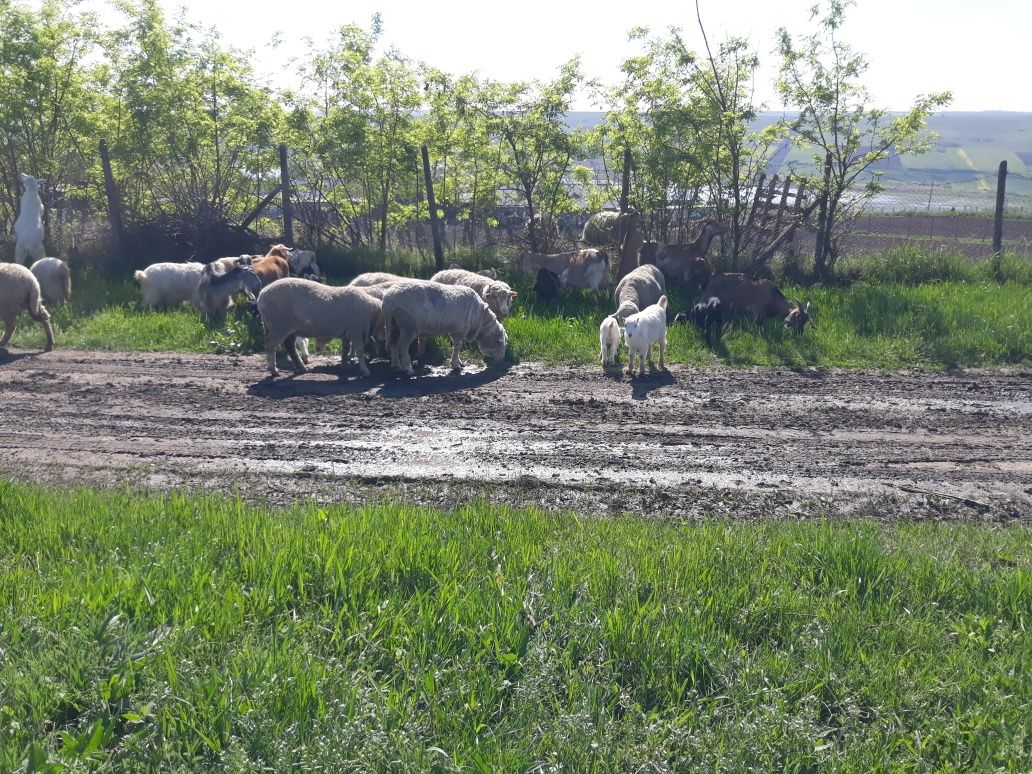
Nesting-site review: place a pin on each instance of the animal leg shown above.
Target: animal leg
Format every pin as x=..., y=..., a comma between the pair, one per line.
x=456, y=364
x=630, y=362
x=270, y=353
x=404, y=355
x=358, y=342
x=662, y=353
x=44, y=319
x=291, y=344
x=9, y=326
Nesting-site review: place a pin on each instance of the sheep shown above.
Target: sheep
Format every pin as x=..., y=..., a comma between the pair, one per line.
x=547, y=285
x=706, y=316
x=296, y=307
x=609, y=340
x=19, y=290
x=489, y=273
x=578, y=269
x=55, y=280
x=375, y=278
x=608, y=227
x=28, y=227
x=431, y=309
x=644, y=329
x=379, y=332
x=215, y=291
x=496, y=293
x=169, y=284
x=639, y=288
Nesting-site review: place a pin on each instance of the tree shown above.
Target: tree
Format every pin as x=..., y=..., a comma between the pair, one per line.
x=821, y=77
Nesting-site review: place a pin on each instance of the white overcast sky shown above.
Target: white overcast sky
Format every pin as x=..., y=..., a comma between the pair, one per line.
x=979, y=49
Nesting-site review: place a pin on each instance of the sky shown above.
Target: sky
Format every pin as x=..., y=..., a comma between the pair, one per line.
x=977, y=49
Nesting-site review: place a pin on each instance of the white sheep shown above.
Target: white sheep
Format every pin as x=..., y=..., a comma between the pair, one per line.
x=489, y=273
x=418, y=308
x=496, y=293
x=609, y=340
x=28, y=228
x=215, y=291
x=169, y=284
x=19, y=290
x=55, y=280
x=376, y=278
x=294, y=307
x=638, y=289
x=644, y=329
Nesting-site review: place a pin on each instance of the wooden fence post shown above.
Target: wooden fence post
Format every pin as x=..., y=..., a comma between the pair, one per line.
x=1001, y=190
x=288, y=214
x=435, y=228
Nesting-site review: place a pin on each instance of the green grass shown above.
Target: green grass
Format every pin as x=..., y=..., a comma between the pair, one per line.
x=146, y=632
x=904, y=309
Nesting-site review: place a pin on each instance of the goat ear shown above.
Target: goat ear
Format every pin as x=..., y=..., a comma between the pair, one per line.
x=513, y=294
x=807, y=309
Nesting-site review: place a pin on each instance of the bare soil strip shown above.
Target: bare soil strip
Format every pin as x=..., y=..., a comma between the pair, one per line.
x=751, y=444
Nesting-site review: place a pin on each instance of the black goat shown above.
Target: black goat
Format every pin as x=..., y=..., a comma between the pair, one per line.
x=547, y=285
x=707, y=317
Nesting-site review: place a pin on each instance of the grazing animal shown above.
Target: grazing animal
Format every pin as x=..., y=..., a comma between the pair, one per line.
x=577, y=269
x=685, y=262
x=376, y=278
x=609, y=340
x=547, y=285
x=799, y=317
x=608, y=227
x=639, y=288
x=55, y=280
x=759, y=298
x=28, y=227
x=274, y=265
x=644, y=329
x=302, y=264
x=169, y=284
x=222, y=265
x=489, y=273
x=706, y=316
x=215, y=291
x=431, y=309
x=296, y=307
x=496, y=293
x=20, y=291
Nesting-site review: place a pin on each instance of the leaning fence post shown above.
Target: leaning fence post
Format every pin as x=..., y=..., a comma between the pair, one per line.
x=1001, y=188
x=114, y=203
x=288, y=215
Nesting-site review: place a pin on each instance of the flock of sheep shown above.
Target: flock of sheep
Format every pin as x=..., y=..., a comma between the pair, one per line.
x=286, y=288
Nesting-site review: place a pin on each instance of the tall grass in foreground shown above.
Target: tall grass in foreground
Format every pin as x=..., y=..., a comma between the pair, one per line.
x=145, y=632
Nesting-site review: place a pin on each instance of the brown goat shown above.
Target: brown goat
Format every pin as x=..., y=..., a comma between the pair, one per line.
x=685, y=262
x=273, y=265
x=740, y=294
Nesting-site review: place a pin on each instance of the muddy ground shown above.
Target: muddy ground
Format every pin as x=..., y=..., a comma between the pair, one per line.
x=761, y=443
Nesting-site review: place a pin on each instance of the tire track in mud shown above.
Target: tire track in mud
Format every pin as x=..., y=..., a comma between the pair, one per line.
x=748, y=443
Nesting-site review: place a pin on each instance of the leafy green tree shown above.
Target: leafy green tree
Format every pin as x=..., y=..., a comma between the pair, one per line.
x=821, y=77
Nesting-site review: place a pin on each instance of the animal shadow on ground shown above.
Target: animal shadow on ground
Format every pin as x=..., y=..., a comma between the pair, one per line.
x=392, y=384
x=13, y=357
x=641, y=386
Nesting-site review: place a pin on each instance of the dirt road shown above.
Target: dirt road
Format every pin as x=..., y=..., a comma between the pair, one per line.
x=750, y=443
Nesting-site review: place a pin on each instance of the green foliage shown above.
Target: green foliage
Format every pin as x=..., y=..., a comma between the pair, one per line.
x=821, y=76
x=175, y=632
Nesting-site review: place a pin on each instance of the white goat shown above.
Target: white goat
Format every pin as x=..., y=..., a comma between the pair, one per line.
x=609, y=340
x=19, y=291
x=419, y=308
x=644, y=329
x=295, y=307
x=169, y=284
x=28, y=228
x=55, y=280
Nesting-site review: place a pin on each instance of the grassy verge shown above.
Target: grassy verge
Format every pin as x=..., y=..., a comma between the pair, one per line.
x=145, y=632
x=942, y=313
